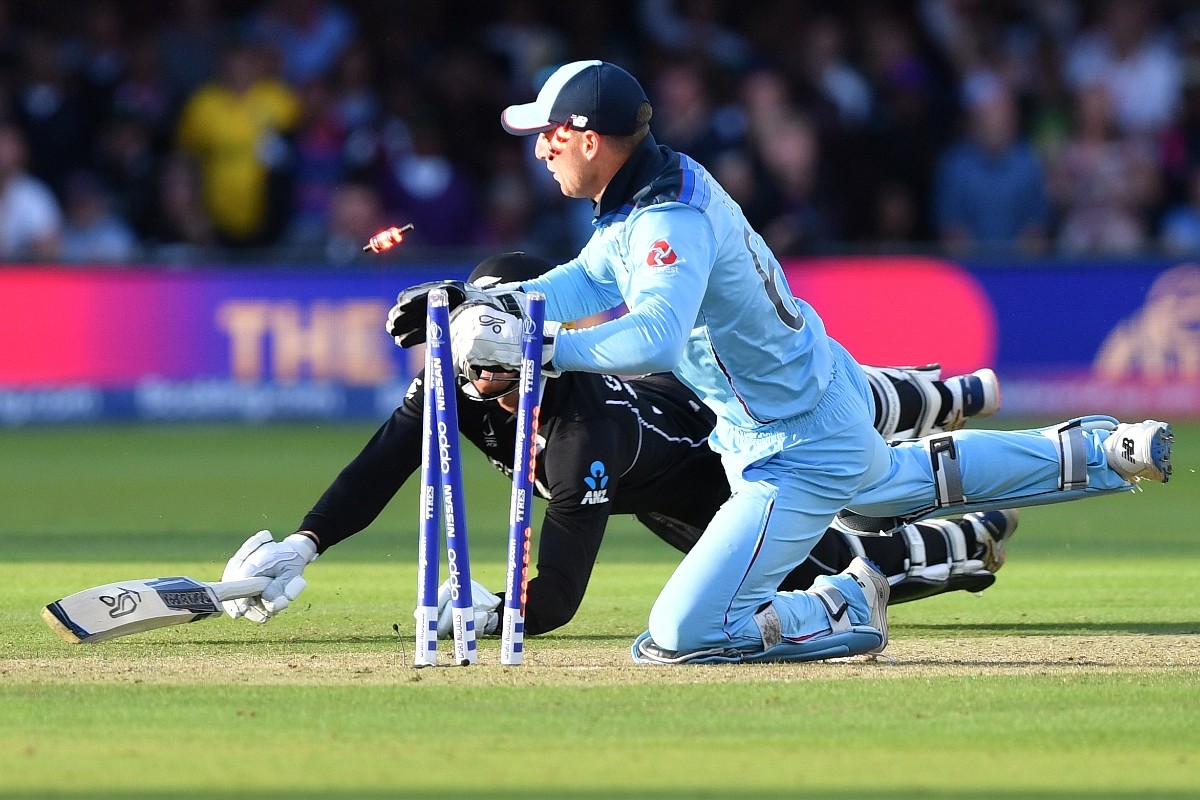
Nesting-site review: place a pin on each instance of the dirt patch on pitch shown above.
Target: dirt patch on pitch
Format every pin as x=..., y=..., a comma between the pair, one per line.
x=571, y=663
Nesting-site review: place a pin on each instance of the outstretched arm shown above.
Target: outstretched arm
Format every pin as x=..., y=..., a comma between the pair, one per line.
x=663, y=297
x=351, y=503
x=368, y=483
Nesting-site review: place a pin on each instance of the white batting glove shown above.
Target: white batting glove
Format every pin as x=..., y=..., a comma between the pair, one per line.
x=484, y=337
x=485, y=605
x=283, y=562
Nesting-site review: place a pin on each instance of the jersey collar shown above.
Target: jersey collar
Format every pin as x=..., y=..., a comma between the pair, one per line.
x=634, y=176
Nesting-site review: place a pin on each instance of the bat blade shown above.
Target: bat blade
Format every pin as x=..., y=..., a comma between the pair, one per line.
x=119, y=609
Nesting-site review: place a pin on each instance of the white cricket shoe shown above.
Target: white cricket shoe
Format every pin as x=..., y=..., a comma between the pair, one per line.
x=877, y=590
x=974, y=395
x=993, y=529
x=1141, y=450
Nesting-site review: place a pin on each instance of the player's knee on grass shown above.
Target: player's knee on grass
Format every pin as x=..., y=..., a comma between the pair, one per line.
x=672, y=627
x=685, y=627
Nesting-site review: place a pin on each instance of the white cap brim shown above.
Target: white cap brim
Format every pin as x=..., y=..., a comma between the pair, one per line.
x=526, y=119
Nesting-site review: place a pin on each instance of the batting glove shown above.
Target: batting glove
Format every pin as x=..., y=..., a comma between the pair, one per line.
x=406, y=320
x=484, y=337
x=283, y=562
x=485, y=605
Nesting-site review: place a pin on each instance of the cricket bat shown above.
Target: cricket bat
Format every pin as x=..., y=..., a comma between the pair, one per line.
x=119, y=609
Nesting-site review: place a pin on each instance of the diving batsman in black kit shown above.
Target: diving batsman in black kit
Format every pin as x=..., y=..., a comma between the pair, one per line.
x=612, y=445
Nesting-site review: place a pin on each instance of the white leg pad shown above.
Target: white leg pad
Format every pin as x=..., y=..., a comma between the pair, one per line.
x=924, y=380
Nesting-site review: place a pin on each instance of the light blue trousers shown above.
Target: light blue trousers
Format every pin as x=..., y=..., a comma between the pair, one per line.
x=790, y=479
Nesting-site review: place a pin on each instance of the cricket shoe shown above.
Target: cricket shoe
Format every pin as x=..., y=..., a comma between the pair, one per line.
x=854, y=640
x=646, y=651
x=992, y=531
x=1141, y=450
x=876, y=589
x=841, y=640
x=973, y=395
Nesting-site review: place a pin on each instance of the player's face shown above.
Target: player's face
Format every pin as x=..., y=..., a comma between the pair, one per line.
x=562, y=149
x=498, y=385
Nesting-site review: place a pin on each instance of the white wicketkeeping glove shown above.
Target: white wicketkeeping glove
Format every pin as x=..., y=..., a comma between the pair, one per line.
x=283, y=562
x=486, y=606
x=484, y=337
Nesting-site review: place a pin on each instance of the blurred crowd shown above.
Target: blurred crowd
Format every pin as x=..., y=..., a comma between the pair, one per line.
x=197, y=131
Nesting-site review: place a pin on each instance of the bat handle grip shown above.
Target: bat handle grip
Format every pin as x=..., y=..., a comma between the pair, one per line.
x=247, y=587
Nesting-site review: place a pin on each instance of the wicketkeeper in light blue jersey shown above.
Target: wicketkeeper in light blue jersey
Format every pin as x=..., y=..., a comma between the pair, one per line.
x=707, y=299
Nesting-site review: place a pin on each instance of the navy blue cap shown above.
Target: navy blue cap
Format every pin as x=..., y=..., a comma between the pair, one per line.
x=587, y=96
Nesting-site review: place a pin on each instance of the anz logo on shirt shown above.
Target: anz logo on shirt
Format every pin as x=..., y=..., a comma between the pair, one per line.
x=597, y=483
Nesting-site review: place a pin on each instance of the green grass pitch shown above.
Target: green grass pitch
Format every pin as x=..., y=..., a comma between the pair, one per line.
x=1076, y=676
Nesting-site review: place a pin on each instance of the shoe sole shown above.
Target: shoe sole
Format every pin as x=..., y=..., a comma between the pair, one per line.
x=1160, y=451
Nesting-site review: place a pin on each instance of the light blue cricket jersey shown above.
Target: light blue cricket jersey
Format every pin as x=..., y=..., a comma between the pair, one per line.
x=706, y=297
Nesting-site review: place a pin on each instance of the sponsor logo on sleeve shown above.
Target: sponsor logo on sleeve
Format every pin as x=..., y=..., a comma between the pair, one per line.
x=662, y=257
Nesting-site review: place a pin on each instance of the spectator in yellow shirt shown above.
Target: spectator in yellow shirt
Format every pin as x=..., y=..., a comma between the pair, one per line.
x=235, y=127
